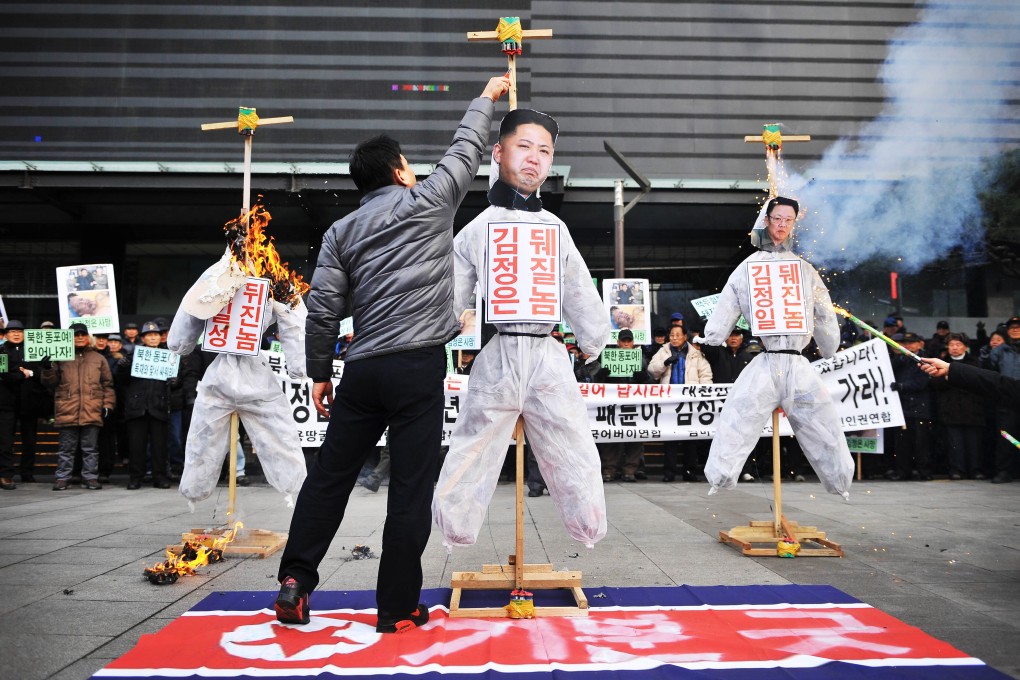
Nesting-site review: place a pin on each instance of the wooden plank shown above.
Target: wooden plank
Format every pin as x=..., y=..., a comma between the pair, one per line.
x=226, y=125
x=508, y=569
x=473, y=580
x=530, y=34
x=579, y=597
x=786, y=138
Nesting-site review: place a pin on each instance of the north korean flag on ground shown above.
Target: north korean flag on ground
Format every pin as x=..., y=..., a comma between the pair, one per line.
x=790, y=632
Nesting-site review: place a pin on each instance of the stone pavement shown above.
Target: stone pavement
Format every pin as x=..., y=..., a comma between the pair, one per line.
x=943, y=556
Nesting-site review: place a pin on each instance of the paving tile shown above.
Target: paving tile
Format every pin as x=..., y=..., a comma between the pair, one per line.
x=35, y=656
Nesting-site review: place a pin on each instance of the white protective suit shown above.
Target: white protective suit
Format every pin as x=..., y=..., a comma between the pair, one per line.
x=529, y=376
x=785, y=380
x=247, y=385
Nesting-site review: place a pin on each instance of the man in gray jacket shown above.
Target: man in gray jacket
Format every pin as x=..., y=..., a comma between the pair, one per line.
x=392, y=259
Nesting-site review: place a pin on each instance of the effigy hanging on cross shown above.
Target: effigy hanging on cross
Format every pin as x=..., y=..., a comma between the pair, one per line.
x=511, y=34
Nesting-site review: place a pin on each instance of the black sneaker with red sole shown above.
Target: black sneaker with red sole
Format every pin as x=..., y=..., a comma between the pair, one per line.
x=292, y=603
x=388, y=624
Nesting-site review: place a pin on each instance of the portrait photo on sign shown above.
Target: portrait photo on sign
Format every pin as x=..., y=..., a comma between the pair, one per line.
x=88, y=293
x=91, y=303
x=625, y=301
x=629, y=292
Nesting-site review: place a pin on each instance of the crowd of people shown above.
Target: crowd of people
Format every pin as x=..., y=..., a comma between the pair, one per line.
x=102, y=414
x=950, y=431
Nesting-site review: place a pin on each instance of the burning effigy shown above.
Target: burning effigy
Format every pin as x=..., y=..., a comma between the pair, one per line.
x=243, y=383
x=193, y=554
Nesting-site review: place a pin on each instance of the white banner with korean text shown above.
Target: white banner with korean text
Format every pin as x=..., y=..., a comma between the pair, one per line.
x=858, y=379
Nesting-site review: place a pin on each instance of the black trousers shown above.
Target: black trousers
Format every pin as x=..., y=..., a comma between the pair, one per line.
x=7, y=444
x=1005, y=453
x=107, y=447
x=145, y=434
x=29, y=428
x=404, y=391
x=913, y=444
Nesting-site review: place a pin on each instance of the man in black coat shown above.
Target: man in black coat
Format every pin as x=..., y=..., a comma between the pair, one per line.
x=913, y=442
x=974, y=378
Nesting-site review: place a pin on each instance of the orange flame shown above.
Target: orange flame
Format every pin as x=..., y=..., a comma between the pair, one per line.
x=191, y=557
x=254, y=251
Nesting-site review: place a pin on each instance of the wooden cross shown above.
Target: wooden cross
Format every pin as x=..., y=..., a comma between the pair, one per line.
x=511, y=54
x=246, y=123
x=773, y=140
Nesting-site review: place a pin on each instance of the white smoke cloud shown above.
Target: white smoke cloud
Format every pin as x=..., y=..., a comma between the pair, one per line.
x=905, y=189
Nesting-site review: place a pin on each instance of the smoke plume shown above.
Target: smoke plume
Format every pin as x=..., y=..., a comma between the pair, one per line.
x=905, y=188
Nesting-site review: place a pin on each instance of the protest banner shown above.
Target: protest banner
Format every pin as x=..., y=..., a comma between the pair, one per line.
x=621, y=362
x=778, y=303
x=704, y=306
x=154, y=363
x=625, y=301
x=3, y=363
x=55, y=343
x=87, y=294
x=858, y=379
x=238, y=327
x=522, y=278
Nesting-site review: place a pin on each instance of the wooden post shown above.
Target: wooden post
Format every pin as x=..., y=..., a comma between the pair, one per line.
x=511, y=57
x=777, y=473
x=232, y=476
x=245, y=124
x=519, y=548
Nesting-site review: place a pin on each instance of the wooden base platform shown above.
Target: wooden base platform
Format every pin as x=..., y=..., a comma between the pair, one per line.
x=248, y=542
x=502, y=577
x=813, y=542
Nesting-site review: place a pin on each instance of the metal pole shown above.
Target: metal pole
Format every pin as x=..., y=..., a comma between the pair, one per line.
x=618, y=213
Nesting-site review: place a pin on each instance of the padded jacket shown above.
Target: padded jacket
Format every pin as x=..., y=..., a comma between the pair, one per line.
x=389, y=264
x=82, y=389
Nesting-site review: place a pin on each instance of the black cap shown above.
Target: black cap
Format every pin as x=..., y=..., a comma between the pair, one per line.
x=1013, y=321
x=942, y=324
x=890, y=321
x=659, y=330
x=523, y=117
x=115, y=336
x=47, y=324
x=129, y=325
x=15, y=325
x=912, y=337
x=79, y=328
x=150, y=327
x=625, y=334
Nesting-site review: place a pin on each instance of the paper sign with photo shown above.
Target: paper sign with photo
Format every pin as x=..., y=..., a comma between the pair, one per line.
x=87, y=294
x=626, y=303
